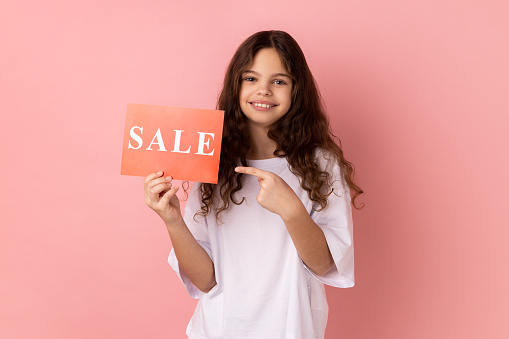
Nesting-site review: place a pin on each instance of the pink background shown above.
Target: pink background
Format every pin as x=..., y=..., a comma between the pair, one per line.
x=417, y=91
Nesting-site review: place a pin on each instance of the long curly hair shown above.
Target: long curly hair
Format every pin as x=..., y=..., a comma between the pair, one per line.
x=298, y=134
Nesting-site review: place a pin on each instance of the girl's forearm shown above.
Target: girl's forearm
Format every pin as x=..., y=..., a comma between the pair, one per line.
x=191, y=257
x=309, y=241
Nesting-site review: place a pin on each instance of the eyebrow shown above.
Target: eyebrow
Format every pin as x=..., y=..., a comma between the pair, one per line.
x=273, y=75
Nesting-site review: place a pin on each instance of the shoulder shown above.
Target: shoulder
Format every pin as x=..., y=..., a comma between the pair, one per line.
x=195, y=189
x=326, y=160
x=329, y=163
x=194, y=196
x=193, y=206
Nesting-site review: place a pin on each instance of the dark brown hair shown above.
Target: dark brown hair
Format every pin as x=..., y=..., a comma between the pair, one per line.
x=298, y=134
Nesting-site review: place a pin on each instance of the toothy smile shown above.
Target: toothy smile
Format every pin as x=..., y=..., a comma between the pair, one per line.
x=262, y=105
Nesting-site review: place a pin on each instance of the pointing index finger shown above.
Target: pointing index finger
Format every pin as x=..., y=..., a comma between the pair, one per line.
x=253, y=171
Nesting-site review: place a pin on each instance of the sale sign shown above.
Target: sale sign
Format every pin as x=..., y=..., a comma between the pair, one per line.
x=185, y=143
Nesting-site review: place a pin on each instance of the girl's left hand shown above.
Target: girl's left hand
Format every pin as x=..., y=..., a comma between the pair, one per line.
x=275, y=194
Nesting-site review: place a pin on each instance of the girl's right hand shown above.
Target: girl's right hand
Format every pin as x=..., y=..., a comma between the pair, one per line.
x=160, y=196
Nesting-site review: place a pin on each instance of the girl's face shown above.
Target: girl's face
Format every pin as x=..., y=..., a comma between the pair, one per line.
x=266, y=89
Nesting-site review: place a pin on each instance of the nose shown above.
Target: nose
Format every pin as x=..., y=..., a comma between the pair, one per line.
x=263, y=90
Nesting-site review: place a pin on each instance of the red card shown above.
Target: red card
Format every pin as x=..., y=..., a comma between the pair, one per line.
x=185, y=143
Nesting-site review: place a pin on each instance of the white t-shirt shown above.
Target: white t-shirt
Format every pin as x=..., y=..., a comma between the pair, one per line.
x=264, y=290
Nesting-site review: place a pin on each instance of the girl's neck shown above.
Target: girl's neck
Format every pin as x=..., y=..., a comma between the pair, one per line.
x=262, y=147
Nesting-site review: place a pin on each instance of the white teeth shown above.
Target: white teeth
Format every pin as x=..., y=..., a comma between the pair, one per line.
x=261, y=105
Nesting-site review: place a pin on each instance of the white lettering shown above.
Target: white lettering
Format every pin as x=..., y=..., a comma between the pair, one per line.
x=159, y=142
x=136, y=137
x=178, y=134
x=202, y=143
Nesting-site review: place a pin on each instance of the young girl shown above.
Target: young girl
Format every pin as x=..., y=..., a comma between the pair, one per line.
x=258, y=247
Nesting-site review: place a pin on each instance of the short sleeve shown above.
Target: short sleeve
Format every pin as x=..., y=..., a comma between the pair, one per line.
x=198, y=228
x=335, y=220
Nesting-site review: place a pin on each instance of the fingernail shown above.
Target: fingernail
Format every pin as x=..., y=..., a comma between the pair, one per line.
x=169, y=178
x=159, y=173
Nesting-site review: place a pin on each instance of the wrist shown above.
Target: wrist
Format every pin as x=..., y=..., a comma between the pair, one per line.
x=175, y=224
x=297, y=214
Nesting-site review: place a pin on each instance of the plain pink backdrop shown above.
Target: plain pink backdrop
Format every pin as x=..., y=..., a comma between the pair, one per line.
x=416, y=90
